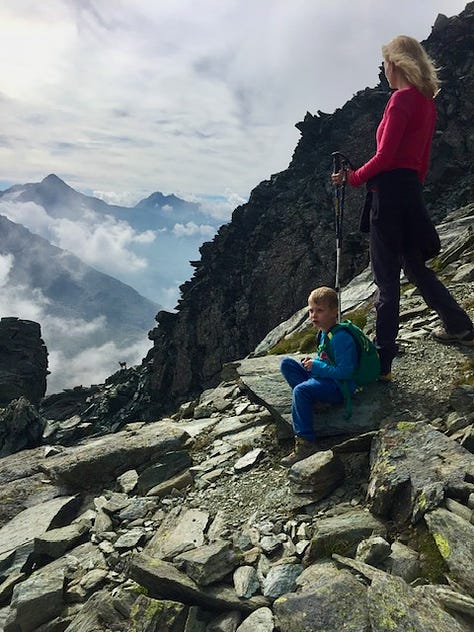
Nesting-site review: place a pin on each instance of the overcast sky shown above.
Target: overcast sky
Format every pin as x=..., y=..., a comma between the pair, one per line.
x=195, y=97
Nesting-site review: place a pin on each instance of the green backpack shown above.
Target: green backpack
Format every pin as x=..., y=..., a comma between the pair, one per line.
x=368, y=368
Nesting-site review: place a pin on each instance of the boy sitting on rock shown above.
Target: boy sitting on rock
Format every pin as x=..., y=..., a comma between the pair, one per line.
x=317, y=379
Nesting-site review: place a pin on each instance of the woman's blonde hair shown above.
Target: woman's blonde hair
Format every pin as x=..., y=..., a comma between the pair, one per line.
x=413, y=62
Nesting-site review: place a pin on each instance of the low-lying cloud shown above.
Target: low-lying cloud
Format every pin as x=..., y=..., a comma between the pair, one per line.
x=6, y=264
x=73, y=357
x=93, y=364
x=101, y=241
x=190, y=229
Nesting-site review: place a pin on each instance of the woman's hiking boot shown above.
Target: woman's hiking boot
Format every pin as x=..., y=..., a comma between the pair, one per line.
x=302, y=450
x=465, y=338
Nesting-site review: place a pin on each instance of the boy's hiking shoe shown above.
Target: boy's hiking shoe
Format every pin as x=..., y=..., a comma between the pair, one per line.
x=465, y=338
x=303, y=449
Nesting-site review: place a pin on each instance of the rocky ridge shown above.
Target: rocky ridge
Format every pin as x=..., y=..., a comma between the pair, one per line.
x=286, y=230
x=189, y=523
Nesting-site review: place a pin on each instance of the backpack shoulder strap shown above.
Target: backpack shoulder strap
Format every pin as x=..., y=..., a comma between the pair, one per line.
x=344, y=384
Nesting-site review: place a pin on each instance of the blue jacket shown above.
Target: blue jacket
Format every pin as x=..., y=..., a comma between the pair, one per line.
x=344, y=351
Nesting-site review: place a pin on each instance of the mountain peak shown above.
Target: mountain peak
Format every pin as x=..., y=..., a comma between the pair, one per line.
x=53, y=180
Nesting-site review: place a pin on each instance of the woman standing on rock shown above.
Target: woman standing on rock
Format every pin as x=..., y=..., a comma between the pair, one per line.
x=401, y=233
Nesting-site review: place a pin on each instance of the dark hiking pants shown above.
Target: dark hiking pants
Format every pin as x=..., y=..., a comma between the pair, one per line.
x=386, y=268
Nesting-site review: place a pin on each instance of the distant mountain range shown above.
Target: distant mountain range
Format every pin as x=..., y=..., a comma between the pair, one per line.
x=147, y=246
x=70, y=261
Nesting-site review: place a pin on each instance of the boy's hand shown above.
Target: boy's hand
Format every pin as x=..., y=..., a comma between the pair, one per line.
x=307, y=363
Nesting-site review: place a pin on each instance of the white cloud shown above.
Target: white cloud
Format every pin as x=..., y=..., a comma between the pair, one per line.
x=22, y=302
x=92, y=365
x=118, y=198
x=63, y=336
x=190, y=229
x=31, y=215
x=169, y=297
x=100, y=241
x=103, y=245
x=6, y=264
x=220, y=206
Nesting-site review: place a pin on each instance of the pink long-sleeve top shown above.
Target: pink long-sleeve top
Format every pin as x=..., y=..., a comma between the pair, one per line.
x=403, y=136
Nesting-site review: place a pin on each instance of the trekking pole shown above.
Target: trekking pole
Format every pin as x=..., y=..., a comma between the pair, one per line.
x=339, y=161
x=339, y=197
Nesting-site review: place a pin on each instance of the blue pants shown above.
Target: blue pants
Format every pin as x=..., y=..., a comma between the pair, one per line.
x=307, y=390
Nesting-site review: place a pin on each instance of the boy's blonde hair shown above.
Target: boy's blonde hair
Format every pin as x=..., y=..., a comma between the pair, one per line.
x=325, y=295
x=412, y=60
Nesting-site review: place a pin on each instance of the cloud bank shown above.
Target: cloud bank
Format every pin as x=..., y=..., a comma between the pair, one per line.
x=196, y=97
x=64, y=336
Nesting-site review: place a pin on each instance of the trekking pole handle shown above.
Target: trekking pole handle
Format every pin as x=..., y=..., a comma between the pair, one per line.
x=341, y=160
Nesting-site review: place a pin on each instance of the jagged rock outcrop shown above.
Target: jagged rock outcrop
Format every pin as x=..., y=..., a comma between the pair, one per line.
x=23, y=371
x=260, y=267
x=84, y=411
x=21, y=427
x=23, y=361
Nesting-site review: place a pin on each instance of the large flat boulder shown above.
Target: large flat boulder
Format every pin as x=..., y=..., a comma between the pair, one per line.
x=262, y=377
x=342, y=534
x=35, y=601
x=23, y=484
x=17, y=536
x=103, y=459
x=395, y=606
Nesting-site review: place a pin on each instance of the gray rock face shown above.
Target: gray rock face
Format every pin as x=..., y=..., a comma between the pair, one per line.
x=246, y=581
x=21, y=427
x=23, y=361
x=56, y=542
x=36, y=601
x=336, y=604
x=393, y=605
x=404, y=482
x=342, y=534
x=169, y=464
x=102, y=611
x=109, y=456
x=373, y=550
x=261, y=620
x=179, y=533
x=281, y=579
x=318, y=475
x=164, y=581
x=403, y=562
x=17, y=537
x=454, y=538
x=209, y=563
